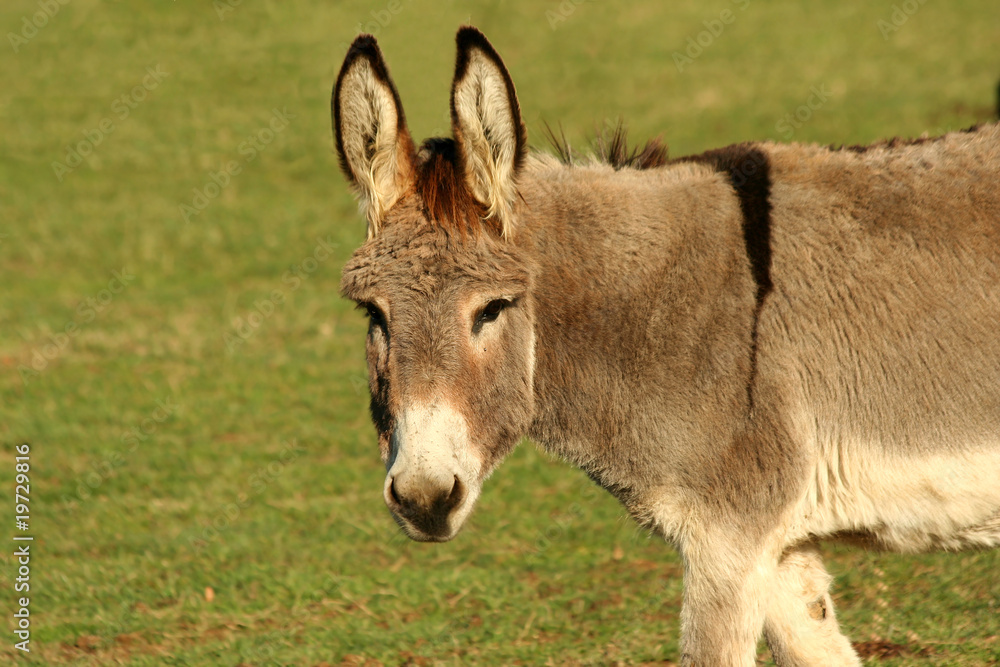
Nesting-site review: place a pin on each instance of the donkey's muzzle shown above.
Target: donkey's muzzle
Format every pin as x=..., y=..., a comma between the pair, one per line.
x=424, y=507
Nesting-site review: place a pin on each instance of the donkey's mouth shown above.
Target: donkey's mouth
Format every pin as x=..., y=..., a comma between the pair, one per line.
x=419, y=530
x=433, y=515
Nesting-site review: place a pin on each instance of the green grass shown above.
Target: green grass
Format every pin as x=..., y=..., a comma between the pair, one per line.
x=246, y=526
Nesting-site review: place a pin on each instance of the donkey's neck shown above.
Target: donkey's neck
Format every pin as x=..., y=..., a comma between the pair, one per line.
x=638, y=271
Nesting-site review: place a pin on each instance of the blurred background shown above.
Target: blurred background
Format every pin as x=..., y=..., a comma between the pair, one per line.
x=205, y=483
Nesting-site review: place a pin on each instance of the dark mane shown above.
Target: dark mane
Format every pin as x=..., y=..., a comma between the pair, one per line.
x=448, y=202
x=898, y=142
x=610, y=146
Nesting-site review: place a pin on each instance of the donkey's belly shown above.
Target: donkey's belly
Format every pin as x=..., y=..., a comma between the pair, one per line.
x=931, y=501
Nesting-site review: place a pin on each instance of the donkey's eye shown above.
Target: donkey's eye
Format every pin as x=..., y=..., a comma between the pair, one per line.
x=489, y=313
x=373, y=313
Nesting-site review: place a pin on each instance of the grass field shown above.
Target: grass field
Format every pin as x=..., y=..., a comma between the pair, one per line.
x=205, y=485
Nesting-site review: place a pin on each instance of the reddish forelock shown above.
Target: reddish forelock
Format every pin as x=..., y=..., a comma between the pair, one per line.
x=447, y=200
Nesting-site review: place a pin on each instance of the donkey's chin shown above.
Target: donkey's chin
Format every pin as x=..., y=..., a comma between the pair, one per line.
x=418, y=535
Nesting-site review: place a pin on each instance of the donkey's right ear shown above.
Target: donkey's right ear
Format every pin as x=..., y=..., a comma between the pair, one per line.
x=375, y=148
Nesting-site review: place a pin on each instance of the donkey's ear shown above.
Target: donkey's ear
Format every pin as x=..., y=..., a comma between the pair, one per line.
x=375, y=148
x=486, y=121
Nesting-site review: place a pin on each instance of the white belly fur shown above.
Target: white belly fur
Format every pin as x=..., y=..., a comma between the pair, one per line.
x=932, y=501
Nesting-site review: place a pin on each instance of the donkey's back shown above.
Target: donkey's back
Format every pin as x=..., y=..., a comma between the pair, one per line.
x=881, y=337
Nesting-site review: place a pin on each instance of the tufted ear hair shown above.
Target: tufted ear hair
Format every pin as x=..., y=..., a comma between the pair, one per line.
x=486, y=122
x=375, y=148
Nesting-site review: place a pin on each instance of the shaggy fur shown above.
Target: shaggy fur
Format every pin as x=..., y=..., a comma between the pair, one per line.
x=754, y=349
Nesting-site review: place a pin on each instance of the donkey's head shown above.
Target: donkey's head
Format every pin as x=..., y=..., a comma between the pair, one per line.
x=447, y=291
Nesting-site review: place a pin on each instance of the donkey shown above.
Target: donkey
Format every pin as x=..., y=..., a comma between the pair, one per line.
x=753, y=349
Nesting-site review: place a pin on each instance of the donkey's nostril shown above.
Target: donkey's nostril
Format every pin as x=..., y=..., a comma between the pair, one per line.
x=457, y=492
x=392, y=492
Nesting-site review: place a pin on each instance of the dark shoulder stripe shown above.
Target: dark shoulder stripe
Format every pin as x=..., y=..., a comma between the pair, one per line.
x=749, y=172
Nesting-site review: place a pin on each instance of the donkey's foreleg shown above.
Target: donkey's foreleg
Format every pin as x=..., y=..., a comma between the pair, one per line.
x=800, y=625
x=724, y=602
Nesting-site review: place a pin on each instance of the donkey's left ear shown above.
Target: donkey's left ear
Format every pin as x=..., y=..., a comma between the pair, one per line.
x=486, y=121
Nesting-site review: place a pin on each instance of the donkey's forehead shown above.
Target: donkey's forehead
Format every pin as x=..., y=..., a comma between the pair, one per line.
x=413, y=255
